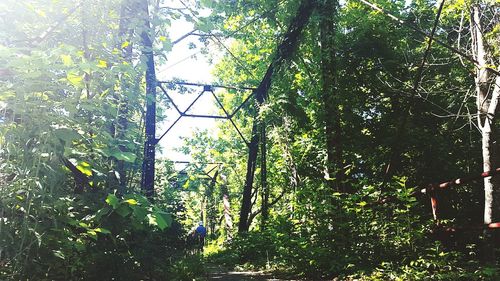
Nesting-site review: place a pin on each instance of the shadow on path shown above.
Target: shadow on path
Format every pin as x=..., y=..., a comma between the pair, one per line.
x=224, y=274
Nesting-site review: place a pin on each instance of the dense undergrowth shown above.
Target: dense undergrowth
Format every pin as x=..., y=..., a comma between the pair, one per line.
x=292, y=261
x=354, y=237
x=87, y=238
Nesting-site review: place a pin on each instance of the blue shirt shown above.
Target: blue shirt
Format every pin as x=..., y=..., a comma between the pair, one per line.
x=201, y=230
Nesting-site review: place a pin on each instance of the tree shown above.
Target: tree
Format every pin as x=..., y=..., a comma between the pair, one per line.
x=330, y=95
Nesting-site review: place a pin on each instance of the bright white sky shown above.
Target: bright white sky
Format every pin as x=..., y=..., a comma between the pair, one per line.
x=183, y=65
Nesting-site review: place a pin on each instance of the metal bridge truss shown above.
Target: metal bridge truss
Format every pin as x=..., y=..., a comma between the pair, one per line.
x=211, y=90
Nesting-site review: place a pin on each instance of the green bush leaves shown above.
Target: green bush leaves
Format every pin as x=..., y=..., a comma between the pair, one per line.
x=138, y=209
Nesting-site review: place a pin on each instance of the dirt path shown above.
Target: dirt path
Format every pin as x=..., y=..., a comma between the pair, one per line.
x=233, y=275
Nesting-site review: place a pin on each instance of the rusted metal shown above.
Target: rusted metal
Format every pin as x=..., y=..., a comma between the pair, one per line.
x=434, y=205
x=440, y=186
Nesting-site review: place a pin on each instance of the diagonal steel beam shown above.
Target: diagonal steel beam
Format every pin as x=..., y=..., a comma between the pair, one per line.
x=242, y=104
x=170, y=98
x=230, y=118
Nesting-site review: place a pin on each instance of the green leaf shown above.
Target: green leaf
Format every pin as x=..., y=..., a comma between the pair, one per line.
x=163, y=220
x=85, y=168
x=131, y=201
x=205, y=26
x=67, y=60
x=79, y=245
x=82, y=224
x=92, y=234
x=102, y=64
x=74, y=79
x=66, y=135
x=123, y=210
x=140, y=213
x=102, y=212
x=112, y=200
x=59, y=254
x=102, y=230
x=124, y=156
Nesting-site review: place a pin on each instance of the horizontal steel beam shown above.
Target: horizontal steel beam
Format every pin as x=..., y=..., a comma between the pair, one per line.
x=230, y=87
x=204, y=116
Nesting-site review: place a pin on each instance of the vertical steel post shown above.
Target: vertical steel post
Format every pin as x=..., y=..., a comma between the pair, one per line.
x=148, y=166
x=263, y=174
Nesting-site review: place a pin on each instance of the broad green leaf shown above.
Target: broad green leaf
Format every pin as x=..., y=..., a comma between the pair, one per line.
x=140, y=213
x=92, y=234
x=131, y=201
x=112, y=200
x=82, y=224
x=67, y=135
x=85, y=168
x=72, y=221
x=67, y=60
x=163, y=219
x=123, y=210
x=124, y=156
x=74, y=79
x=102, y=212
x=102, y=64
x=102, y=230
x=162, y=224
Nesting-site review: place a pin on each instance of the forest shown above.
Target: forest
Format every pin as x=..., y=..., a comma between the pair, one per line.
x=351, y=140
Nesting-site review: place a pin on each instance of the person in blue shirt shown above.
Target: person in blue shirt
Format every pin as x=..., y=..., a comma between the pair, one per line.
x=200, y=234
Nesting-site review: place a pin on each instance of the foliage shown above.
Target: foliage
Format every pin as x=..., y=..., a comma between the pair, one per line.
x=356, y=124
x=378, y=229
x=70, y=142
x=188, y=269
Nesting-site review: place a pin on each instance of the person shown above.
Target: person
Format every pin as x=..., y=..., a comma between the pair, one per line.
x=200, y=234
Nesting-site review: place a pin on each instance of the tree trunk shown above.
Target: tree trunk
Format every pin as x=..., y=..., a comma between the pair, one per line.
x=227, y=209
x=246, y=204
x=330, y=95
x=283, y=53
x=148, y=166
x=293, y=178
x=211, y=211
x=263, y=175
x=487, y=106
x=125, y=33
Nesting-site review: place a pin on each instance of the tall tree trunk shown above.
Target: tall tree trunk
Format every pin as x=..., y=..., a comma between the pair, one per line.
x=148, y=166
x=227, y=209
x=487, y=105
x=263, y=175
x=125, y=33
x=293, y=174
x=283, y=53
x=211, y=212
x=246, y=204
x=330, y=95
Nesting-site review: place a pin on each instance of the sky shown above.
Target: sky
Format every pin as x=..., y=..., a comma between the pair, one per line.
x=183, y=66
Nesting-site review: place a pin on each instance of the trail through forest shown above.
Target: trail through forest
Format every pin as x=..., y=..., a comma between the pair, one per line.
x=225, y=274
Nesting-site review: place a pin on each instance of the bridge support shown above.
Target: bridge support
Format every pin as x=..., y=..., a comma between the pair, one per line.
x=148, y=165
